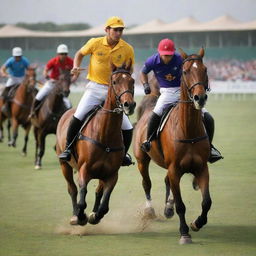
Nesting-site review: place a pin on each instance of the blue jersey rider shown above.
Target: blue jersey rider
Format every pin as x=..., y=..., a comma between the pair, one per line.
x=167, y=68
x=14, y=68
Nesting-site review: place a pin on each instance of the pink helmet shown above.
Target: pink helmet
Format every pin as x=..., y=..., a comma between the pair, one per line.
x=166, y=47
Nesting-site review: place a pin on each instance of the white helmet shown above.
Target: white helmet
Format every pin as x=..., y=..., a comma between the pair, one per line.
x=16, y=51
x=62, y=48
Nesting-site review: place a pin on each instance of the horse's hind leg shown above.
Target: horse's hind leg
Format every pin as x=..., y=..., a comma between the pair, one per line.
x=15, y=126
x=169, y=202
x=9, y=130
x=108, y=186
x=203, y=182
x=67, y=171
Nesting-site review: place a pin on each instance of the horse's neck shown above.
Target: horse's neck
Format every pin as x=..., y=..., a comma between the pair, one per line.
x=190, y=118
x=21, y=92
x=54, y=100
x=110, y=122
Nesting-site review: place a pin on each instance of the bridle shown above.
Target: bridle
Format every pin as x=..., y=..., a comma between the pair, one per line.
x=119, y=108
x=189, y=89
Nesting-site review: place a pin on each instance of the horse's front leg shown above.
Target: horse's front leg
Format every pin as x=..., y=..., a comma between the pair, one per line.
x=143, y=166
x=83, y=181
x=40, y=150
x=9, y=125
x=203, y=183
x=169, y=202
x=27, y=129
x=174, y=178
x=98, y=196
x=108, y=186
x=15, y=125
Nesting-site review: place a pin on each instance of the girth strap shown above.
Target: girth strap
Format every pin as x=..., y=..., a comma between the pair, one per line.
x=194, y=140
x=104, y=147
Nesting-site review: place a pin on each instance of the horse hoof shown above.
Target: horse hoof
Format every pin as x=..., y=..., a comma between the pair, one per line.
x=73, y=220
x=92, y=219
x=24, y=154
x=149, y=213
x=194, y=227
x=82, y=220
x=168, y=212
x=185, y=239
x=38, y=167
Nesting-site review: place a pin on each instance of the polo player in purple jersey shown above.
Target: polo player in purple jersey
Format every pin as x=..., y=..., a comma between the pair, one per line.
x=167, y=68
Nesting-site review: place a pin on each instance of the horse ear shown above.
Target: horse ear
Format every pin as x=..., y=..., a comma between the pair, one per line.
x=201, y=52
x=183, y=54
x=128, y=65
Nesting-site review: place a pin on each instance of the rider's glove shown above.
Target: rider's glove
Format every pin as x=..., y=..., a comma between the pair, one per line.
x=147, y=89
x=47, y=77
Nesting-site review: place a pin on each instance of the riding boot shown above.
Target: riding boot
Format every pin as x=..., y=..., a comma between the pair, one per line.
x=152, y=128
x=74, y=127
x=127, y=138
x=34, y=108
x=208, y=120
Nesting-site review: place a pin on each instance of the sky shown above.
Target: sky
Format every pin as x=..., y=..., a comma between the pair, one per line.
x=133, y=12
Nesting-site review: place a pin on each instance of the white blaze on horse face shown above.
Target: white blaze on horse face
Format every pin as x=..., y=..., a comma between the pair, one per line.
x=124, y=75
x=194, y=65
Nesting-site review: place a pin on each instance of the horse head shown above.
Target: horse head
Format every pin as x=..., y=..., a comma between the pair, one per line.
x=195, y=78
x=122, y=85
x=30, y=78
x=63, y=84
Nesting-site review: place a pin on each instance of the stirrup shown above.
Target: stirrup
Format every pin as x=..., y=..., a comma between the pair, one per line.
x=65, y=155
x=127, y=160
x=215, y=155
x=145, y=146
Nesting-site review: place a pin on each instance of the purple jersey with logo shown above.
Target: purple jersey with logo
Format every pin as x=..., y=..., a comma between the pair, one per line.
x=167, y=75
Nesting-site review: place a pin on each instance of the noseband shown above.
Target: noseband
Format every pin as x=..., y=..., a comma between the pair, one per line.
x=189, y=89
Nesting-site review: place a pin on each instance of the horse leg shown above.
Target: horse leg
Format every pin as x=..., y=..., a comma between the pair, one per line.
x=174, y=178
x=36, y=142
x=169, y=202
x=83, y=182
x=9, y=130
x=27, y=129
x=41, y=146
x=15, y=126
x=108, y=186
x=203, y=182
x=143, y=165
x=67, y=172
x=98, y=196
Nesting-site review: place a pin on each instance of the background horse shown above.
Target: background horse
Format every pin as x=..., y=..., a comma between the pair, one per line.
x=99, y=150
x=50, y=112
x=20, y=106
x=182, y=146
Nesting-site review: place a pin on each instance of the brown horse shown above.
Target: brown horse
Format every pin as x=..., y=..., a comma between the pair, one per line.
x=20, y=106
x=99, y=150
x=181, y=147
x=49, y=114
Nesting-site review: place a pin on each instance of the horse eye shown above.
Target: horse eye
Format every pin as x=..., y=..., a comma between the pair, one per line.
x=114, y=82
x=184, y=72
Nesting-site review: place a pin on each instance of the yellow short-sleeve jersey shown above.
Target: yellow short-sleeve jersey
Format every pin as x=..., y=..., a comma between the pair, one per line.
x=101, y=53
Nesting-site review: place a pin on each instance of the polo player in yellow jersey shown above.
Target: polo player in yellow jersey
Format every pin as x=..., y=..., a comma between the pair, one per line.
x=101, y=51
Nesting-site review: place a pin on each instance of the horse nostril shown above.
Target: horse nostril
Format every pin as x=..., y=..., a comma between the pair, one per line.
x=196, y=98
x=126, y=104
x=206, y=97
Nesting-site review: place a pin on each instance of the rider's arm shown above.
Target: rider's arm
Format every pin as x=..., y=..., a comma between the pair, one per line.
x=3, y=71
x=144, y=81
x=45, y=73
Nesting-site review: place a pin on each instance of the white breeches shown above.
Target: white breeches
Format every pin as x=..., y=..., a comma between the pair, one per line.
x=43, y=92
x=168, y=96
x=94, y=95
x=12, y=80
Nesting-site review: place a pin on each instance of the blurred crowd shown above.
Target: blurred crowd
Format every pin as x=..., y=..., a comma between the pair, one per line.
x=218, y=70
x=231, y=70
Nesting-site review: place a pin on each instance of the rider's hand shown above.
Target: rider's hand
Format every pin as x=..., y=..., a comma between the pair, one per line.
x=47, y=77
x=147, y=89
x=75, y=71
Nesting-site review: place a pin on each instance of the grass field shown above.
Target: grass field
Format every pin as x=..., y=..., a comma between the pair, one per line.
x=35, y=206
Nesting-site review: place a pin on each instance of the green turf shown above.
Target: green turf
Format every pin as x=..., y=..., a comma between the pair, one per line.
x=35, y=207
